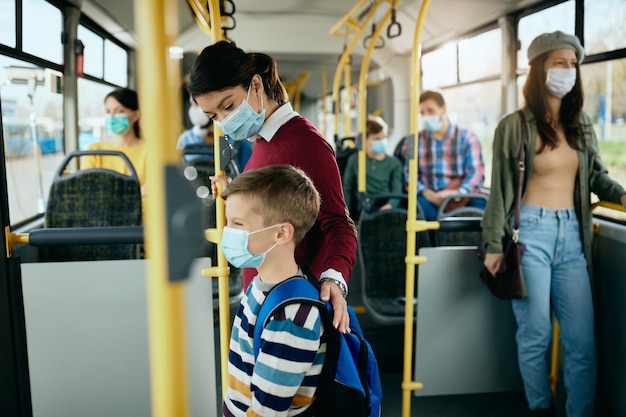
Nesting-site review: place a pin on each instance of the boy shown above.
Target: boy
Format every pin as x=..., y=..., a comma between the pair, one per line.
x=268, y=212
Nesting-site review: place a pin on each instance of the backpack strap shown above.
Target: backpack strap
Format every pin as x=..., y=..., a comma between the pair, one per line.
x=295, y=290
x=304, y=290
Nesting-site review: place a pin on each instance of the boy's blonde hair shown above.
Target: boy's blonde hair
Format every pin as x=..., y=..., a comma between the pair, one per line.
x=280, y=193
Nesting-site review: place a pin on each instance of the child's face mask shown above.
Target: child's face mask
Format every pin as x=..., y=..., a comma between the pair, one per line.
x=235, y=247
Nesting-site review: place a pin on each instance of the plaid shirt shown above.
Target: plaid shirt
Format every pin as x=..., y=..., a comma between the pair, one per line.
x=458, y=155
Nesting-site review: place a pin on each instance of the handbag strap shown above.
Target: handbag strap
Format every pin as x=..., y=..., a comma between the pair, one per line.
x=520, y=174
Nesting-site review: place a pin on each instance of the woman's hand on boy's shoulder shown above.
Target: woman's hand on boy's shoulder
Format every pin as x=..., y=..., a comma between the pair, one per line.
x=329, y=291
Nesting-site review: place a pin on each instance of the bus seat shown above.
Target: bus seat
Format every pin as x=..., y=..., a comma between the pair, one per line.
x=381, y=256
x=94, y=197
x=347, y=147
x=459, y=238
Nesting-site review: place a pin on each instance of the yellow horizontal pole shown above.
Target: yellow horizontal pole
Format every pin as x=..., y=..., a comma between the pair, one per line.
x=609, y=205
x=415, y=260
x=412, y=386
x=347, y=19
x=421, y=225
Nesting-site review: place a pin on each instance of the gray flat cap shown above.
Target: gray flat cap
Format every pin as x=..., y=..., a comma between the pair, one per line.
x=556, y=40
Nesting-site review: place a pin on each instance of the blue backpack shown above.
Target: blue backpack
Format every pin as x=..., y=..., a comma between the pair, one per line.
x=349, y=385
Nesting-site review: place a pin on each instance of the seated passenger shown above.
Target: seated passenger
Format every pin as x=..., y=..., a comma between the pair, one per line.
x=449, y=158
x=383, y=173
x=202, y=132
x=122, y=121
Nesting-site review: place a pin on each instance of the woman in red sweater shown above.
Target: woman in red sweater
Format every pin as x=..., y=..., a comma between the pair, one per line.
x=243, y=94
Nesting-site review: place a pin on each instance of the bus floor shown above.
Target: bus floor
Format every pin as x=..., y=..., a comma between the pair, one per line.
x=389, y=356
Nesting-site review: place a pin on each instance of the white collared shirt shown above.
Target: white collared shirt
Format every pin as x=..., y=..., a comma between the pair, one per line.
x=282, y=115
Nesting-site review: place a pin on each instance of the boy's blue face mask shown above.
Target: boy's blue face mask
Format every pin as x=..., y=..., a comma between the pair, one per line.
x=235, y=247
x=117, y=124
x=243, y=122
x=379, y=146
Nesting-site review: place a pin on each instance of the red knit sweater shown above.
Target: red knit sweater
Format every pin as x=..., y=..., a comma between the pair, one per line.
x=331, y=242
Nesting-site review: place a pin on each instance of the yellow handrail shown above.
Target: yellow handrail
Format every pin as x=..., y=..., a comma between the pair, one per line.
x=365, y=65
x=156, y=22
x=294, y=88
x=356, y=29
x=221, y=270
x=612, y=206
x=413, y=225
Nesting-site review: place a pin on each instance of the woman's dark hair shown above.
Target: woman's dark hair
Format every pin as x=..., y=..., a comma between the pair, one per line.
x=536, y=96
x=127, y=98
x=223, y=65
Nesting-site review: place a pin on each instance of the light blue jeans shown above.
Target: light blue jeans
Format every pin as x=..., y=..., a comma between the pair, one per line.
x=555, y=271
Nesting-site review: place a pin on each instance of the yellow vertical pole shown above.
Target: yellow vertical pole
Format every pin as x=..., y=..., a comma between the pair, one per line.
x=346, y=102
x=556, y=356
x=345, y=55
x=156, y=30
x=362, y=105
x=221, y=271
x=408, y=385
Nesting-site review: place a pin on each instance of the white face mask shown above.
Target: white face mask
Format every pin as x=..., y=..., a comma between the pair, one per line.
x=560, y=81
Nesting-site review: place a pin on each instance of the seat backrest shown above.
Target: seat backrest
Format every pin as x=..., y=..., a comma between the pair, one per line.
x=381, y=254
x=460, y=238
x=93, y=198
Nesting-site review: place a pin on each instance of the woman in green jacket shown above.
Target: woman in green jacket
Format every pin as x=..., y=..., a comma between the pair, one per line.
x=562, y=168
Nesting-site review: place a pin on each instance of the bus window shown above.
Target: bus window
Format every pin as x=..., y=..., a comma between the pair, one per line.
x=480, y=56
x=43, y=26
x=115, y=64
x=33, y=133
x=439, y=67
x=7, y=23
x=604, y=26
x=560, y=17
x=94, y=45
x=605, y=103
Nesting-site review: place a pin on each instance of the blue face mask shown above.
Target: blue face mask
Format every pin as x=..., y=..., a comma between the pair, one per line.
x=117, y=124
x=243, y=122
x=235, y=247
x=432, y=123
x=379, y=146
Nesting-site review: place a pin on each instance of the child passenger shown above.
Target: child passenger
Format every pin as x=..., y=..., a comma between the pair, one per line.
x=268, y=212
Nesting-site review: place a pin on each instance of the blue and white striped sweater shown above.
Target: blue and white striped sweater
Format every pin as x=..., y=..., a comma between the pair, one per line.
x=284, y=378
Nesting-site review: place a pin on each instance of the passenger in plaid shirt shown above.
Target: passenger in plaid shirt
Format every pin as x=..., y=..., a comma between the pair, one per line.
x=449, y=159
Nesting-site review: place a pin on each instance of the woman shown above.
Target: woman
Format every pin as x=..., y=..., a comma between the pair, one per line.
x=384, y=173
x=122, y=121
x=244, y=96
x=562, y=168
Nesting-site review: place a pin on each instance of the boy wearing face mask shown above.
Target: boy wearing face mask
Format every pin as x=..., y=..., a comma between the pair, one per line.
x=449, y=158
x=268, y=212
x=383, y=173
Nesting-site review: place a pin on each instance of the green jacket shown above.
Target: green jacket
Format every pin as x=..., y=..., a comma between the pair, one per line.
x=592, y=177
